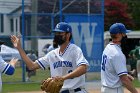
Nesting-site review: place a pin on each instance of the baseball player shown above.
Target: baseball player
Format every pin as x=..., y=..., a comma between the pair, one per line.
x=66, y=62
x=132, y=61
x=6, y=68
x=137, y=55
x=113, y=67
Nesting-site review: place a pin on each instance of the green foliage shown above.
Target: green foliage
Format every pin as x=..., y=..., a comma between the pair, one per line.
x=134, y=10
x=116, y=11
x=125, y=11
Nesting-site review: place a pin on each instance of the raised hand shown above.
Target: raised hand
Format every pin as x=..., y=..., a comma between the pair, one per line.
x=13, y=62
x=16, y=41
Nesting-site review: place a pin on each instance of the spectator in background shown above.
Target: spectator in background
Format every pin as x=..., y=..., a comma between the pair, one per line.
x=45, y=48
x=132, y=61
x=30, y=73
x=137, y=55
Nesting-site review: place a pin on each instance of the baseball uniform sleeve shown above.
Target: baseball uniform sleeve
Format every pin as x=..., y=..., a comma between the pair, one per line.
x=119, y=64
x=43, y=61
x=80, y=59
x=3, y=65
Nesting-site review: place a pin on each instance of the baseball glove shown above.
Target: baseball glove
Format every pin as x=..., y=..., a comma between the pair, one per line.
x=51, y=85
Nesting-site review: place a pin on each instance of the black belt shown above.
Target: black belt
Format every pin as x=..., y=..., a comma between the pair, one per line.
x=75, y=90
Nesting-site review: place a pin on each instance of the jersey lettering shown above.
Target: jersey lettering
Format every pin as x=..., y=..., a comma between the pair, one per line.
x=62, y=64
x=104, y=62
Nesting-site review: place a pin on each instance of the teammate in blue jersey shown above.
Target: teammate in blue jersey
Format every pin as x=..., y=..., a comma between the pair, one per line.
x=66, y=62
x=6, y=68
x=113, y=67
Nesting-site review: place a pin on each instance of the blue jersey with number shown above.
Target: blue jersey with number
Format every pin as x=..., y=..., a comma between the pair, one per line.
x=64, y=63
x=113, y=65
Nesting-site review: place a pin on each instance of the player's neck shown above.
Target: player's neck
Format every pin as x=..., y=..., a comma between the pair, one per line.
x=116, y=42
x=63, y=47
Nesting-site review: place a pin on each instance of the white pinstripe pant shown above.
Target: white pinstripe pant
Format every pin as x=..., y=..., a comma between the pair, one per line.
x=111, y=90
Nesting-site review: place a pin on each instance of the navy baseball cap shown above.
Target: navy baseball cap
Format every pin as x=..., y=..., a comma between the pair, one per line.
x=63, y=27
x=118, y=28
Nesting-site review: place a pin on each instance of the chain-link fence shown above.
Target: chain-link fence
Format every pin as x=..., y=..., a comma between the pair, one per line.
x=34, y=20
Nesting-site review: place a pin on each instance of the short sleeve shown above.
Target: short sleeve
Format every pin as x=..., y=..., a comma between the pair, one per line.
x=43, y=61
x=3, y=65
x=119, y=63
x=80, y=59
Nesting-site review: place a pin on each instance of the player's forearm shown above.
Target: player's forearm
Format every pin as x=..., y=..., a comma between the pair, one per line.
x=77, y=72
x=26, y=59
x=128, y=84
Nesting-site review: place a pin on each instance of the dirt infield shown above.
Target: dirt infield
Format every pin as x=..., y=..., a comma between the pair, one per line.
x=92, y=87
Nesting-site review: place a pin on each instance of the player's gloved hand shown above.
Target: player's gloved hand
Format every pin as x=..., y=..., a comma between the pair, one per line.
x=52, y=85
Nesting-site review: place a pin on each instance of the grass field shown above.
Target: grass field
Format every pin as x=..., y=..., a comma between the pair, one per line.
x=14, y=83
x=21, y=87
x=17, y=77
x=18, y=87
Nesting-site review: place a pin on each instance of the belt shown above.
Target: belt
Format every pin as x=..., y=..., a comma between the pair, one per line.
x=75, y=90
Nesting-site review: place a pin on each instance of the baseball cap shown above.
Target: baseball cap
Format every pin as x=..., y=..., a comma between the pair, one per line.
x=118, y=28
x=63, y=27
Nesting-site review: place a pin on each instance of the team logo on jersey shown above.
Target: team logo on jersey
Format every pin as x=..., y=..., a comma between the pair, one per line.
x=62, y=64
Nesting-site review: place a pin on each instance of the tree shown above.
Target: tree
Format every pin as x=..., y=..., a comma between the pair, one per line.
x=116, y=11
x=134, y=10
